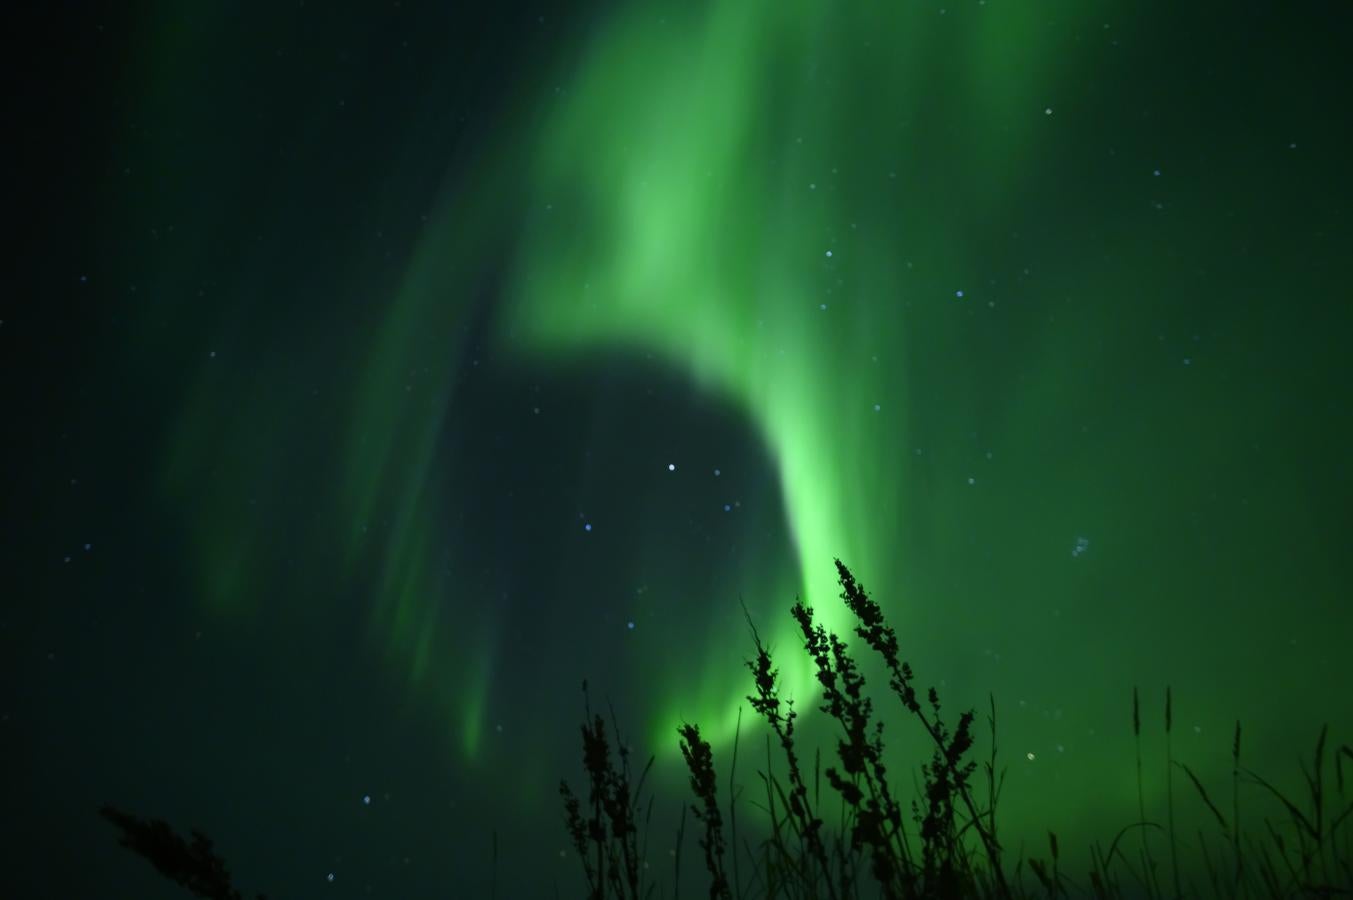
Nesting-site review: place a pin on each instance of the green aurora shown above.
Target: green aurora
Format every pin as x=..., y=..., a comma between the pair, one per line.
x=1013, y=324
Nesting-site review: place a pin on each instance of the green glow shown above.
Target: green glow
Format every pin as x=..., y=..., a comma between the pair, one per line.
x=678, y=196
x=471, y=721
x=699, y=230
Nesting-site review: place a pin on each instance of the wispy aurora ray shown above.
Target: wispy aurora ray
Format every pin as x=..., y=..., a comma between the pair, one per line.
x=1023, y=309
x=737, y=189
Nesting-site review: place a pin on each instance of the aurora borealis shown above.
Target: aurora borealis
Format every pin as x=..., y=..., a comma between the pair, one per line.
x=384, y=373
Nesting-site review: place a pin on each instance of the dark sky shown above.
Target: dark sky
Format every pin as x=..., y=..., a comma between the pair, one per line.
x=375, y=373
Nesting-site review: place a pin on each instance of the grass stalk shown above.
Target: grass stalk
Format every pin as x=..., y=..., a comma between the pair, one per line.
x=1169, y=791
x=795, y=862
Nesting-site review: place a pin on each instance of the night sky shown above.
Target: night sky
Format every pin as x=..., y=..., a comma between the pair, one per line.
x=374, y=373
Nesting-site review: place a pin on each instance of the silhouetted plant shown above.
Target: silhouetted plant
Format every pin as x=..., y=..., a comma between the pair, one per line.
x=805, y=823
x=193, y=865
x=609, y=858
x=700, y=760
x=1320, y=864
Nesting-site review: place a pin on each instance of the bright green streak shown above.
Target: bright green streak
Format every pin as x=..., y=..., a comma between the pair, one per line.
x=698, y=172
x=682, y=196
x=681, y=192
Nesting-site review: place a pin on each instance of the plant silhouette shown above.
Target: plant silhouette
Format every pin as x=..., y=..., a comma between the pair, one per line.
x=194, y=865
x=1309, y=853
x=948, y=849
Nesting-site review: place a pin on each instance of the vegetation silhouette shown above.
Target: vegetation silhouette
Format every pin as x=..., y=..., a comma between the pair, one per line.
x=953, y=850
x=193, y=865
